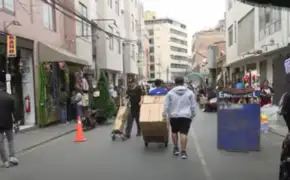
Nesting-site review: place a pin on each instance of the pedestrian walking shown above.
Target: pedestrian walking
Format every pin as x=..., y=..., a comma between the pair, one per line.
x=63, y=99
x=7, y=114
x=179, y=107
x=135, y=94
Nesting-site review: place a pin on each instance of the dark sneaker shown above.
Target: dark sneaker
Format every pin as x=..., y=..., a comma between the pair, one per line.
x=183, y=155
x=138, y=134
x=176, y=151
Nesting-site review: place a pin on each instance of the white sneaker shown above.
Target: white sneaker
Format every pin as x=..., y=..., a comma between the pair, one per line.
x=14, y=160
x=7, y=164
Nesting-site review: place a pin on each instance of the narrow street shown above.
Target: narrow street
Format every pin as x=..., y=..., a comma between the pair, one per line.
x=100, y=158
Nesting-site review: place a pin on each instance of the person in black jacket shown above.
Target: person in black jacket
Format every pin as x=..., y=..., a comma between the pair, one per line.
x=7, y=114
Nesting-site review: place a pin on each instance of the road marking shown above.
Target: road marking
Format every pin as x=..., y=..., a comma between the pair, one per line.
x=201, y=156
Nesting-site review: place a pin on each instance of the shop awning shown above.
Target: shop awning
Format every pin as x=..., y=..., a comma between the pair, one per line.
x=265, y=3
x=49, y=53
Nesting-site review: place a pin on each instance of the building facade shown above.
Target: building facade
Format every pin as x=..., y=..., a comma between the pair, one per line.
x=200, y=44
x=109, y=51
x=257, y=39
x=168, y=48
x=43, y=35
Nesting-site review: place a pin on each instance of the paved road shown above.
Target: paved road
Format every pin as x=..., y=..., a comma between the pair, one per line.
x=99, y=158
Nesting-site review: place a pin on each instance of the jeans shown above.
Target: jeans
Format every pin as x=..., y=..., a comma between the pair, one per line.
x=133, y=115
x=10, y=138
x=63, y=114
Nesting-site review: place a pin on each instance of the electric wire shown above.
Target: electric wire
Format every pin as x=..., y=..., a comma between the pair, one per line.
x=83, y=19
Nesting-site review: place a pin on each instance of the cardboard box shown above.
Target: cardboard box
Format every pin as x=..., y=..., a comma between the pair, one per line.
x=151, y=120
x=121, y=118
x=153, y=99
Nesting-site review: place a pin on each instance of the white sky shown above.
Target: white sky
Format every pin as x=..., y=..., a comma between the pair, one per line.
x=196, y=14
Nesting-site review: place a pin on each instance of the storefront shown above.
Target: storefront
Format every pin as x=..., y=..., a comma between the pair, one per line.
x=22, y=77
x=55, y=70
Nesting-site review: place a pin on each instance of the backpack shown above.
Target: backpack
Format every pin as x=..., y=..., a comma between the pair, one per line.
x=280, y=104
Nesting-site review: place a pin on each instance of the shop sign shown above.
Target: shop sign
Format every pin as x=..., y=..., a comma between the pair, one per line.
x=11, y=46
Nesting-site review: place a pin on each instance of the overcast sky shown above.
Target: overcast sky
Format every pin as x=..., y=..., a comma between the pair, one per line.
x=196, y=14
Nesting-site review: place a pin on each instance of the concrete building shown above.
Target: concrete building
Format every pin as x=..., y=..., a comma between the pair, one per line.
x=257, y=39
x=143, y=44
x=117, y=48
x=168, y=48
x=108, y=49
x=83, y=42
x=43, y=36
x=200, y=44
x=133, y=31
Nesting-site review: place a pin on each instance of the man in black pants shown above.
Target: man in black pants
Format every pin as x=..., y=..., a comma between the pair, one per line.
x=179, y=107
x=135, y=94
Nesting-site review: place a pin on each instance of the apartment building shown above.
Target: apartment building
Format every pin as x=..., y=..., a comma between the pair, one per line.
x=40, y=35
x=143, y=44
x=200, y=44
x=257, y=39
x=87, y=9
x=168, y=48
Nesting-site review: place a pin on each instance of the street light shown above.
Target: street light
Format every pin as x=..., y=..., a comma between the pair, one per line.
x=6, y=25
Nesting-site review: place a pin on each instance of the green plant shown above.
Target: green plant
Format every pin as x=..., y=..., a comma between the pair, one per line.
x=105, y=102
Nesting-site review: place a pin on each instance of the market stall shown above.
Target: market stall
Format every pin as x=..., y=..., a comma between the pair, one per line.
x=238, y=112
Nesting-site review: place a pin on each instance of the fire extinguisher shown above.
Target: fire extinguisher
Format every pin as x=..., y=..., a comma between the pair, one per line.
x=27, y=104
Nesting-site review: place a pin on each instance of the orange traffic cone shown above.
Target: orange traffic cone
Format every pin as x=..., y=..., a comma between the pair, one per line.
x=79, y=132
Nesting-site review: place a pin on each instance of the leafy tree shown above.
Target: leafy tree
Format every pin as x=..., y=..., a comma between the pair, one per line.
x=104, y=102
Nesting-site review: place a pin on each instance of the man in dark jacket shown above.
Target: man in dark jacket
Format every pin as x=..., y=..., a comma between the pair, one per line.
x=135, y=94
x=7, y=113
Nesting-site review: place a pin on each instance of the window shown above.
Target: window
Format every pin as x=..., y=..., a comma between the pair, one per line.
x=177, y=49
x=7, y=6
x=178, y=41
x=111, y=40
x=152, y=75
x=117, y=7
x=110, y=3
x=230, y=36
x=84, y=25
x=151, y=32
x=152, y=59
x=173, y=31
x=151, y=50
x=118, y=43
x=179, y=66
x=49, y=15
x=269, y=21
x=151, y=41
x=132, y=20
x=133, y=51
x=152, y=67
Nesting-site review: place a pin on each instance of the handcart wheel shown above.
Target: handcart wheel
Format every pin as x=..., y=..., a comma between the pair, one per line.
x=113, y=137
x=166, y=144
x=146, y=144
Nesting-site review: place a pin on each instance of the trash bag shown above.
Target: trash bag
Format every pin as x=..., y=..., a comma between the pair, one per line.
x=271, y=112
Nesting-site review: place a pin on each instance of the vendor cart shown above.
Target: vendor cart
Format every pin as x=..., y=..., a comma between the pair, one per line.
x=238, y=120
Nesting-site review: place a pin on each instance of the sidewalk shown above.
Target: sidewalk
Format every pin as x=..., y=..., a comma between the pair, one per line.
x=30, y=139
x=279, y=127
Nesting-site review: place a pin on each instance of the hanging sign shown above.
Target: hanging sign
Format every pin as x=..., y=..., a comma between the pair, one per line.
x=11, y=46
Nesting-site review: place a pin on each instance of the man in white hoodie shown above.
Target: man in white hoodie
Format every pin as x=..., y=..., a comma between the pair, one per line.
x=179, y=107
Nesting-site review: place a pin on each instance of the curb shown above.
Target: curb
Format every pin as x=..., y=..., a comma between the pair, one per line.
x=45, y=141
x=274, y=131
